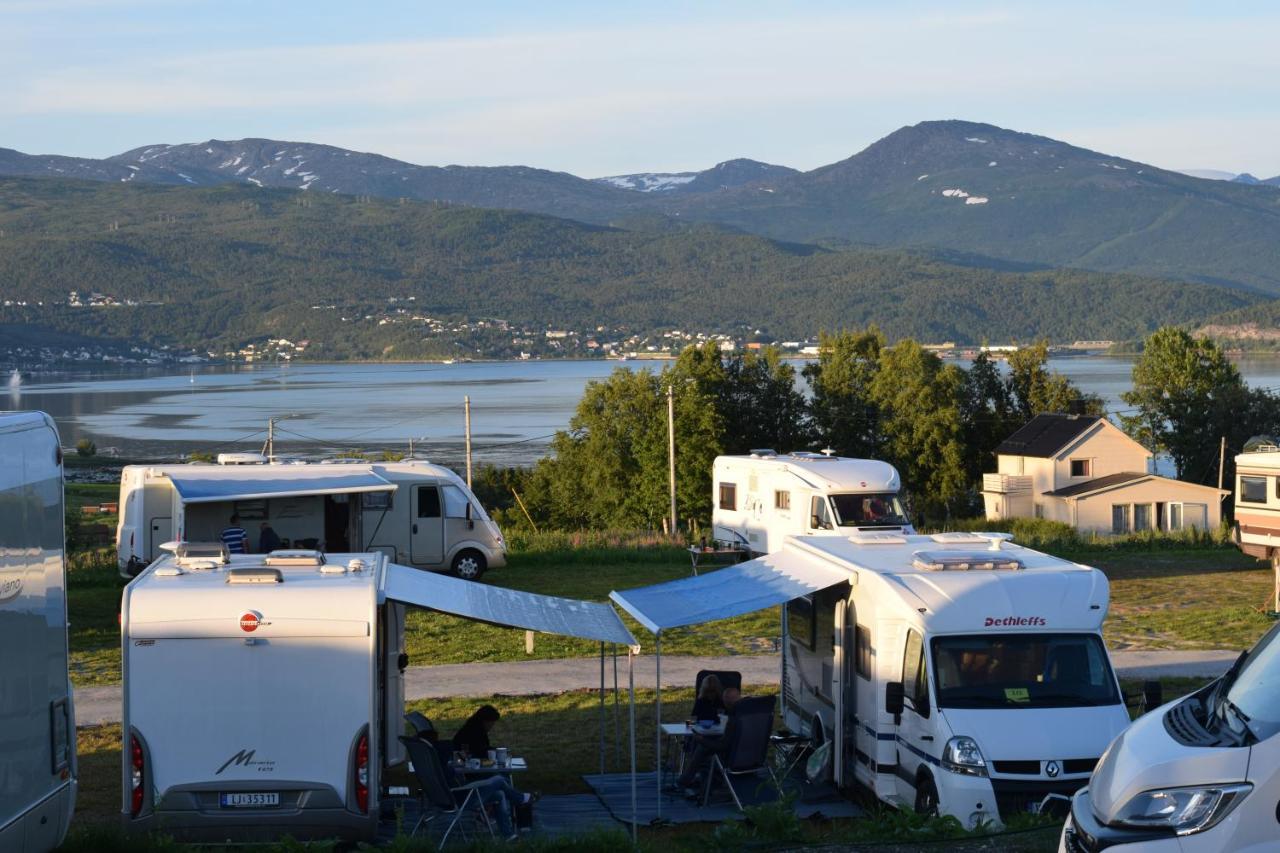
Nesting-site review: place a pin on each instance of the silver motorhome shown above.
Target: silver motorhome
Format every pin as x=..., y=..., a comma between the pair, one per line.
x=37, y=722
x=416, y=513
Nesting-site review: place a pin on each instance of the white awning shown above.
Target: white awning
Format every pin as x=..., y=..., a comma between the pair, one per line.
x=243, y=482
x=731, y=591
x=568, y=617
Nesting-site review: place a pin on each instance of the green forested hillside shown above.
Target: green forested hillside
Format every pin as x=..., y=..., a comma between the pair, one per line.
x=222, y=266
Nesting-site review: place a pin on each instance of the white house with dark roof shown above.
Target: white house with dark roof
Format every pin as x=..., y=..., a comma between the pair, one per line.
x=1085, y=471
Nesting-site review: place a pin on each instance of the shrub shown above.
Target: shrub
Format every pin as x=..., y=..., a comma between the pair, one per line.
x=86, y=447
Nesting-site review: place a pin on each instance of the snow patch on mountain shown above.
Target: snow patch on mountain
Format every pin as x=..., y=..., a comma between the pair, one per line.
x=649, y=182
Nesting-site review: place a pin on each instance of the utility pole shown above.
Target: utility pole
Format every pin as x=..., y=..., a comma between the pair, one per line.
x=466, y=402
x=410, y=447
x=271, y=438
x=1222, y=457
x=671, y=452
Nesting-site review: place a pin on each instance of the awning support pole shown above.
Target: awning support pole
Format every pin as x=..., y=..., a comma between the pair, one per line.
x=617, y=713
x=602, y=715
x=658, y=720
x=631, y=677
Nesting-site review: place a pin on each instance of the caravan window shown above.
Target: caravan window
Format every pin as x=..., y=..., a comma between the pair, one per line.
x=428, y=502
x=781, y=500
x=914, y=680
x=819, y=515
x=801, y=626
x=455, y=502
x=728, y=496
x=863, y=641
x=1253, y=490
x=868, y=510
x=376, y=500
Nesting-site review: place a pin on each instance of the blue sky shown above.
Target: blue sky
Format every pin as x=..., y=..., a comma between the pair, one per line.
x=605, y=88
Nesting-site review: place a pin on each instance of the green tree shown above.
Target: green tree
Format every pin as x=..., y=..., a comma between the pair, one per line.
x=86, y=447
x=1035, y=389
x=1188, y=397
x=919, y=400
x=844, y=415
x=987, y=414
x=761, y=405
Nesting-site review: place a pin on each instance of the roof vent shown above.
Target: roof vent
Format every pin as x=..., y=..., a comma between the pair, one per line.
x=865, y=537
x=957, y=536
x=763, y=453
x=255, y=575
x=333, y=569
x=809, y=454
x=1257, y=444
x=964, y=561
x=201, y=555
x=356, y=565
x=241, y=459
x=169, y=572
x=294, y=558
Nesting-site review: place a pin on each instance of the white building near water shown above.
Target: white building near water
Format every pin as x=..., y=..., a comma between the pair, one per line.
x=1085, y=471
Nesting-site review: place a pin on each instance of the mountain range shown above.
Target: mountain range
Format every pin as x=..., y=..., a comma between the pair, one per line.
x=976, y=193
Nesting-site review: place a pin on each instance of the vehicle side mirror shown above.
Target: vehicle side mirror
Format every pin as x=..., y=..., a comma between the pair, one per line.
x=1152, y=695
x=894, y=698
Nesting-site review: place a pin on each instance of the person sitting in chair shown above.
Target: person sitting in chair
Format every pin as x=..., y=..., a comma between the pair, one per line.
x=709, y=703
x=706, y=746
x=496, y=791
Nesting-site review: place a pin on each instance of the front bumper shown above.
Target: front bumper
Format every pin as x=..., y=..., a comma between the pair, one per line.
x=1084, y=834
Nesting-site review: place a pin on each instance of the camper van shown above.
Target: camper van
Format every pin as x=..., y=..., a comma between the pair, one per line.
x=760, y=499
x=415, y=513
x=297, y=706
x=37, y=736
x=957, y=673
x=1198, y=775
x=1257, y=530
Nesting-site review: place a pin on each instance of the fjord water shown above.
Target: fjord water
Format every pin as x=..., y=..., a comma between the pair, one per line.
x=515, y=406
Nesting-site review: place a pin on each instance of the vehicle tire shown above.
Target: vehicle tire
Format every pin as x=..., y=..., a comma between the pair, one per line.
x=469, y=564
x=927, y=797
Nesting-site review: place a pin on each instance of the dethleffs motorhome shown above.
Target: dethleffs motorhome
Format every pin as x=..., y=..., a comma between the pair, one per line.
x=1199, y=775
x=262, y=694
x=760, y=499
x=956, y=673
x=37, y=724
x=416, y=513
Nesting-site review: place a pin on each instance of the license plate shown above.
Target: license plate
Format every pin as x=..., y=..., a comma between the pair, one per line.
x=248, y=801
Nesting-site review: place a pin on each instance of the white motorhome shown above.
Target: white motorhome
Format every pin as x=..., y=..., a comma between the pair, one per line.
x=956, y=673
x=760, y=499
x=37, y=721
x=1257, y=530
x=1198, y=775
x=415, y=513
x=296, y=707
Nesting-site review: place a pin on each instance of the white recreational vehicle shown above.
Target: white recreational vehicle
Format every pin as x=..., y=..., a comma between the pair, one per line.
x=760, y=499
x=415, y=513
x=956, y=673
x=37, y=732
x=1257, y=530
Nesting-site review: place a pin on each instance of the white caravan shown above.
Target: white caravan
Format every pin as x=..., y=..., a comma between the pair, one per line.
x=1198, y=775
x=760, y=499
x=263, y=695
x=1257, y=530
x=956, y=673
x=415, y=513
x=37, y=723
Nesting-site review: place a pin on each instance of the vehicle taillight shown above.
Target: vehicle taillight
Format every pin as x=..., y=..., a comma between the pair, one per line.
x=137, y=776
x=362, y=774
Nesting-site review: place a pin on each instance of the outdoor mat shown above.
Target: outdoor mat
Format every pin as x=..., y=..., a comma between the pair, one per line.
x=554, y=815
x=614, y=790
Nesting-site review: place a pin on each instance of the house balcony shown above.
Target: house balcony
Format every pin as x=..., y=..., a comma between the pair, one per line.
x=1006, y=484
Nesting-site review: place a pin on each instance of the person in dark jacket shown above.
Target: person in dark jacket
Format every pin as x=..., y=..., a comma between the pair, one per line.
x=474, y=734
x=268, y=541
x=708, y=705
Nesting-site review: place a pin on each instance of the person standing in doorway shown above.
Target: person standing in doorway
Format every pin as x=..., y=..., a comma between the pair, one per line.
x=234, y=536
x=268, y=541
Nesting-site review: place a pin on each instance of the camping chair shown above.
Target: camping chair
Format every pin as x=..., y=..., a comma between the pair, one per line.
x=421, y=725
x=747, y=741
x=439, y=798
x=791, y=749
x=728, y=678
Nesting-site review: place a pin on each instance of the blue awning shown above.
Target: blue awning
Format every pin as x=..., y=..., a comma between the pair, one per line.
x=243, y=483
x=754, y=585
x=568, y=617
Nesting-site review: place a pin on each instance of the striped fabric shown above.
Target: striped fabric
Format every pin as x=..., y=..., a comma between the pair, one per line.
x=234, y=538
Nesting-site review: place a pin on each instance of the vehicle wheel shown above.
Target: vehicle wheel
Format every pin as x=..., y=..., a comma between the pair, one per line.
x=927, y=797
x=469, y=564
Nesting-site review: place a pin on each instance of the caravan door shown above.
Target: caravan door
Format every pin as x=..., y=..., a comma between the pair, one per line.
x=426, y=541
x=159, y=531
x=916, y=745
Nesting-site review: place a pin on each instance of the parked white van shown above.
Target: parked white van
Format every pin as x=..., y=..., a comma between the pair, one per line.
x=37, y=722
x=957, y=673
x=1201, y=773
x=760, y=499
x=415, y=513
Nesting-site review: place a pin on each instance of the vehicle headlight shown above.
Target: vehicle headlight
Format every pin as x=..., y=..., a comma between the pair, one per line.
x=1184, y=810
x=961, y=755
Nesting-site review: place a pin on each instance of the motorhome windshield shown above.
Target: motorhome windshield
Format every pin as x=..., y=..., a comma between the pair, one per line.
x=868, y=510
x=1253, y=698
x=1022, y=671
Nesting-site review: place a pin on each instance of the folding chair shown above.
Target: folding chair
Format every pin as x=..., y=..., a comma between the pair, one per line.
x=421, y=725
x=747, y=746
x=728, y=678
x=790, y=750
x=439, y=798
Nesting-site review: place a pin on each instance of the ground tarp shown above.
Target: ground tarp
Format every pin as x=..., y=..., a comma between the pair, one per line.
x=496, y=605
x=754, y=585
x=255, y=483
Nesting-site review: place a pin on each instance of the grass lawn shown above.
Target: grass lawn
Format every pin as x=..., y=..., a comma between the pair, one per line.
x=1184, y=599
